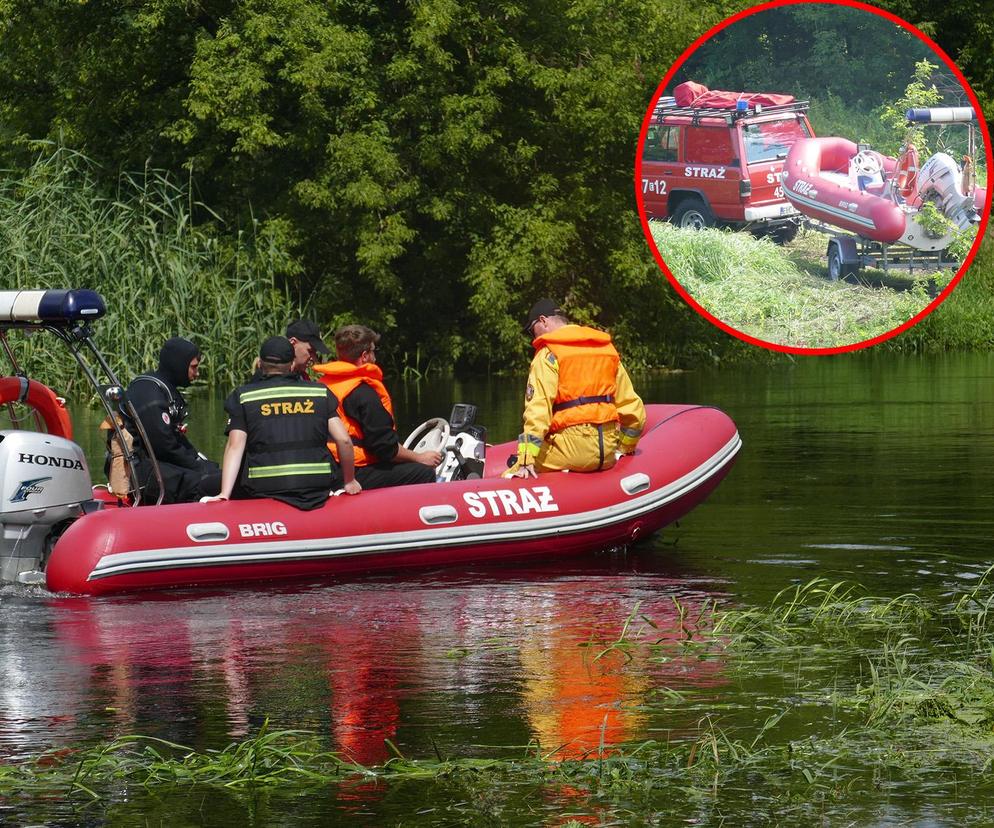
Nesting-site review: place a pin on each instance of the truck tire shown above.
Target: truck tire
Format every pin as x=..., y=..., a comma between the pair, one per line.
x=693, y=214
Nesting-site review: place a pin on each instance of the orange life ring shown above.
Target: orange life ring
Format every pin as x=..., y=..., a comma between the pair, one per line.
x=42, y=399
x=907, y=171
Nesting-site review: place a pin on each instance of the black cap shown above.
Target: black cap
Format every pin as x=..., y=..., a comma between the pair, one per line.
x=277, y=350
x=543, y=307
x=307, y=331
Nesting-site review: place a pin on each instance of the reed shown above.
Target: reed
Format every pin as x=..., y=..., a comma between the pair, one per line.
x=160, y=272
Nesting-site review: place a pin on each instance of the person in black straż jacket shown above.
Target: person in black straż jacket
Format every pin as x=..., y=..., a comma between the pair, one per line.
x=187, y=475
x=278, y=430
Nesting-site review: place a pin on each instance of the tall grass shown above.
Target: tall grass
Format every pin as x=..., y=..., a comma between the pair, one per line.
x=751, y=285
x=160, y=272
x=965, y=320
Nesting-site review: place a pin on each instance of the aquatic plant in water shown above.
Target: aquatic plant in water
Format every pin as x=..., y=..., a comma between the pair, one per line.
x=836, y=690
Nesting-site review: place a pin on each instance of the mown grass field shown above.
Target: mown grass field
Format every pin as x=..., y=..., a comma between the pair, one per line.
x=783, y=295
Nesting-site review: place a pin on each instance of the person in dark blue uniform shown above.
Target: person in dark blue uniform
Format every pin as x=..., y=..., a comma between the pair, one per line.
x=187, y=475
x=278, y=429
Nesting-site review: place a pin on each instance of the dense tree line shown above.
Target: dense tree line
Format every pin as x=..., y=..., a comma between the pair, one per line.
x=812, y=51
x=431, y=166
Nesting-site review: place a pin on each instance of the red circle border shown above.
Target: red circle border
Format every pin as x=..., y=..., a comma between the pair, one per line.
x=791, y=349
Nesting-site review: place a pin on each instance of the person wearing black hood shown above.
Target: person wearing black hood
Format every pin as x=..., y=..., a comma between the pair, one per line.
x=186, y=474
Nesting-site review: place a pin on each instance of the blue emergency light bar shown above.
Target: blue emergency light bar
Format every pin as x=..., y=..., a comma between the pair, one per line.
x=941, y=115
x=53, y=306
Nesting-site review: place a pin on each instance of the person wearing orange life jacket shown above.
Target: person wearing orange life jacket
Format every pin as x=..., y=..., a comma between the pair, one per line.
x=580, y=406
x=365, y=407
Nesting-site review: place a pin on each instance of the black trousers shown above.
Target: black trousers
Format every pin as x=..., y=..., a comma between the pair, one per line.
x=181, y=485
x=383, y=475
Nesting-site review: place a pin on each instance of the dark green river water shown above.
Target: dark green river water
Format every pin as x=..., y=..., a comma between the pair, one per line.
x=872, y=469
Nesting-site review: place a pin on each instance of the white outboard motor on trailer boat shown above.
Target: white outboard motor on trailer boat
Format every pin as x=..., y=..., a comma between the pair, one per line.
x=462, y=443
x=45, y=484
x=939, y=181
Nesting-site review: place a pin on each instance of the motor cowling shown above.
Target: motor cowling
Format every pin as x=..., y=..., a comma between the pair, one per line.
x=465, y=451
x=44, y=482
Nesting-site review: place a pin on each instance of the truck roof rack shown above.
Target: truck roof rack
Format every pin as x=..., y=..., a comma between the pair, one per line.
x=664, y=109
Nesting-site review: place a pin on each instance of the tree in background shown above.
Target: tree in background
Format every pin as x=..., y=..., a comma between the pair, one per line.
x=432, y=166
x=811, y=51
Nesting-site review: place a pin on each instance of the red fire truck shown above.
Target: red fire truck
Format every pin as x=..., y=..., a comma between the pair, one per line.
x=717, y=161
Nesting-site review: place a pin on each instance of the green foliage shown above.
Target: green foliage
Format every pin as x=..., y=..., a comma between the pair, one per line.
x=920, y=92
x=160, y=273
x=440, y=162
x=830, y=115
x=936, y=225
x=963, y=321
x=427, y=168
x=964, y=29
x=810, y=51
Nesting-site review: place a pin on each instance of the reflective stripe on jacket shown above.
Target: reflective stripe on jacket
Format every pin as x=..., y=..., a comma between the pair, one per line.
x=342, y=378
x=588, y=367
x=286, y=451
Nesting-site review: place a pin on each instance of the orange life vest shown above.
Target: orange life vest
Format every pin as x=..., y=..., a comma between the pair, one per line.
x=342, y=378
x=588, y=371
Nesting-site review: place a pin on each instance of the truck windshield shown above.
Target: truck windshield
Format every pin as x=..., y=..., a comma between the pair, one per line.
x=770, y=140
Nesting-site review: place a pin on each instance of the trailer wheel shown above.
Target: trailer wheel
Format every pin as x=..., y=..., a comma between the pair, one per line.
x=693, y=214
x=838, y=268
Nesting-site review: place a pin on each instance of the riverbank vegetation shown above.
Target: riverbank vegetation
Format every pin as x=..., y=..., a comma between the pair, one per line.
x=429, y=172
x=838, y=694
x=160, y=273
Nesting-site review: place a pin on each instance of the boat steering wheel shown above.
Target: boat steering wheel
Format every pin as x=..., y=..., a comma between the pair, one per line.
x=866, y=163
x=431, y=435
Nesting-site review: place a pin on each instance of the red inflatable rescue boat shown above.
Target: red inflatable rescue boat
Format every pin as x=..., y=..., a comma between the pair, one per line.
x=878, y=197
x=684, y=454
x=61, y=531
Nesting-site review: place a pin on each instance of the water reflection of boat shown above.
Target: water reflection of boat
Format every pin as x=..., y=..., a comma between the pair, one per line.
x=100, y=546
x=441, y=661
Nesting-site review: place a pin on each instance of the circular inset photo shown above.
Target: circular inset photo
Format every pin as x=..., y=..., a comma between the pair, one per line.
x=812, y=177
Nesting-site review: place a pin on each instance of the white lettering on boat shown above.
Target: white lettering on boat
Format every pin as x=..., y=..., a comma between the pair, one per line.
x=510, y=502
x=265, y=530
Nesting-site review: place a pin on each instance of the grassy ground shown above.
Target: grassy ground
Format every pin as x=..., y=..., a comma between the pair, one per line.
x=783, y=295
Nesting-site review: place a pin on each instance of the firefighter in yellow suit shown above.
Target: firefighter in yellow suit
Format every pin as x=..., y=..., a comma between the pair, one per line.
x=580, y=406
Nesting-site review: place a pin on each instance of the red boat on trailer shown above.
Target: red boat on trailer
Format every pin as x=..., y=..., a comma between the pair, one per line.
x=88, y=544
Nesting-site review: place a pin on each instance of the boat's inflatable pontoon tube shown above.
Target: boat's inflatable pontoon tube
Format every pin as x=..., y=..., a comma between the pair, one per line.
x=684, y=453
